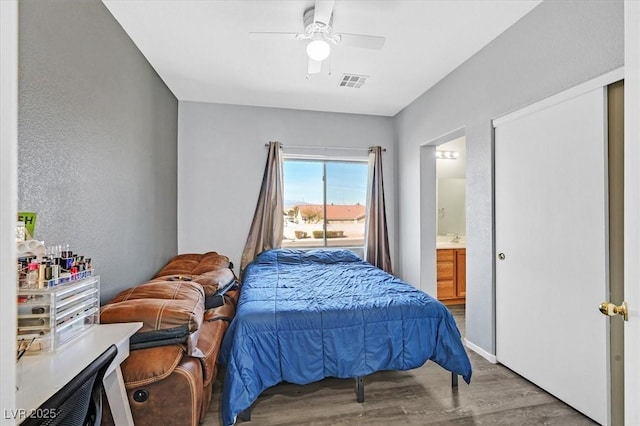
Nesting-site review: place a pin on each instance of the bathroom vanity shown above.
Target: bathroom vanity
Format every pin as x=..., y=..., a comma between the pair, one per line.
x=451, y=273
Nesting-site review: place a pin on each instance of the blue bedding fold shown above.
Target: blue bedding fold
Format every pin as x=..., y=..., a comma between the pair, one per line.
x=306, y=315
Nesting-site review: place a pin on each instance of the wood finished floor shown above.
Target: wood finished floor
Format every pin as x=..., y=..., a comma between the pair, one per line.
x=423, y=396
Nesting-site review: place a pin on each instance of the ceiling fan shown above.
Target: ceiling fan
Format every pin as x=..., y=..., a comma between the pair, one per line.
x=319, y=35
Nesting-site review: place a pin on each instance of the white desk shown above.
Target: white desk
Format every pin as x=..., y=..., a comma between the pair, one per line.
x=45, y=374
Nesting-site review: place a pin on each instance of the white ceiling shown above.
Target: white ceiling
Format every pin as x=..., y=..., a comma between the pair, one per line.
x=202, y=51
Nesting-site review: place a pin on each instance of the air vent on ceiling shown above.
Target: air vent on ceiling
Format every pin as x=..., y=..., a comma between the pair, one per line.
x=352, y=80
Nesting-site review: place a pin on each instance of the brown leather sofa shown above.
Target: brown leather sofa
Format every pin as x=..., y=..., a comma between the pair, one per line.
x=172, y=365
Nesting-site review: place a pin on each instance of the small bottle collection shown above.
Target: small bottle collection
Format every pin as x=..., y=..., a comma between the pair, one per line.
x=58, y=265
x=58, y=296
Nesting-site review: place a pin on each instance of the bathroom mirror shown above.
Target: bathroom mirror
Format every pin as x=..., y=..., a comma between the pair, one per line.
x=451, y=213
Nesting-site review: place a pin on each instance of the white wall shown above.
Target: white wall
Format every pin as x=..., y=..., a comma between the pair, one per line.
x=554, y=47
x=221, y=159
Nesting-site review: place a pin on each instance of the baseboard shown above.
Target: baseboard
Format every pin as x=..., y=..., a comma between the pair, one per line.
x=484, y=354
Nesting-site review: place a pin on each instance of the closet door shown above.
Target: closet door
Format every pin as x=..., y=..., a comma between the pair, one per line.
x=552, y=248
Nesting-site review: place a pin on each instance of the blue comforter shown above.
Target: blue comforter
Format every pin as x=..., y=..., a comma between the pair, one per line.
x=306, y=315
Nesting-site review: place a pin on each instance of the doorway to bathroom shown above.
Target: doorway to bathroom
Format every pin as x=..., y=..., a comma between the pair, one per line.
x=451, y=160
x=443, y=221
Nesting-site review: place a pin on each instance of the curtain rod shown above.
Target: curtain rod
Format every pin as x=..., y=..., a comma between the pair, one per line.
x=327, y=147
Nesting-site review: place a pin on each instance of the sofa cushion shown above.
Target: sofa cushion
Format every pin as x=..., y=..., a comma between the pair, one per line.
x=162, y=289
x=155, y=314
x=211, y=264
x=178, y=267
x=210, y=281
x=194, y=264
x=186, y=256
x=170, y=312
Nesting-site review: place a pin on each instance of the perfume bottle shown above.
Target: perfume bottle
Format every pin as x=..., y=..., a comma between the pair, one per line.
x=32, y=275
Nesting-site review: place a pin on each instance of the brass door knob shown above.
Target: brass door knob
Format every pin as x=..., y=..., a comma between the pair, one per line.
x=610, y=309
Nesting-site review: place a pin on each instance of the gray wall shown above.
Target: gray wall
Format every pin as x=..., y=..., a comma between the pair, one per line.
x=96, y=141
x=221, y=159
x=556, y=46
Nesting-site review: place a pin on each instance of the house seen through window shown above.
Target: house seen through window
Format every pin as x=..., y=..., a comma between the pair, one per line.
x=325, y=203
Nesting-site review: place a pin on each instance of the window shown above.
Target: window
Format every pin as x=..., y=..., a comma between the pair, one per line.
x=325, y=203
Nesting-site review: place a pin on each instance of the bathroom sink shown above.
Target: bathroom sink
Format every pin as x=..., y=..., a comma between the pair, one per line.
x=450, y=245
x=447, y=242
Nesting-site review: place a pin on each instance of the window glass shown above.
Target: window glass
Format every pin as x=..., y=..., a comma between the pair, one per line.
x=315, y=189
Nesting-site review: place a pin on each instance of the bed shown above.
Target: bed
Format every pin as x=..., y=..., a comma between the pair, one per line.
x=307, y=315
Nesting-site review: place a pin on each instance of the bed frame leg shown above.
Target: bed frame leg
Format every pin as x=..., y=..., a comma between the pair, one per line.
x=454, y=380
x=245, y=415
x=360, y=388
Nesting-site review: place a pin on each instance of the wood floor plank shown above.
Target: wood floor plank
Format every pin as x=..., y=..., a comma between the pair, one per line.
x=423, y=396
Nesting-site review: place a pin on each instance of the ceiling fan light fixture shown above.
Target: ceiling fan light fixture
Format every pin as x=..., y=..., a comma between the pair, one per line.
x=318, y=50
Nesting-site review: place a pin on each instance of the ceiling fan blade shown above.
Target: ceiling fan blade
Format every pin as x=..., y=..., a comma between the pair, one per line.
x=274, y=36
x=314, y=67
x=360, y=40
x=322, y=11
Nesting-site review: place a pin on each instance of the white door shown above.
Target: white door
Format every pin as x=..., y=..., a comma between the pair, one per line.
x=551, y=244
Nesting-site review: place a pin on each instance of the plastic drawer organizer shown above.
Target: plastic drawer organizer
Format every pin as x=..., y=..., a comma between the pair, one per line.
x=52, y=317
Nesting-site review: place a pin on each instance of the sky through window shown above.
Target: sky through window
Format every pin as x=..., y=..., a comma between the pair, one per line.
x=346, y=182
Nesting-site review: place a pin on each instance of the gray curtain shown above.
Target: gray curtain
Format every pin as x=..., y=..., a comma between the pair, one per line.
x=376, y=237
x=267, y=226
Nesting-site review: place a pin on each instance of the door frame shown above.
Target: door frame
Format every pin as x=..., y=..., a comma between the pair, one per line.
x=631, y=74
x=9, y=191
x=632, y=209
x=428, y=279
x=593, y=88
